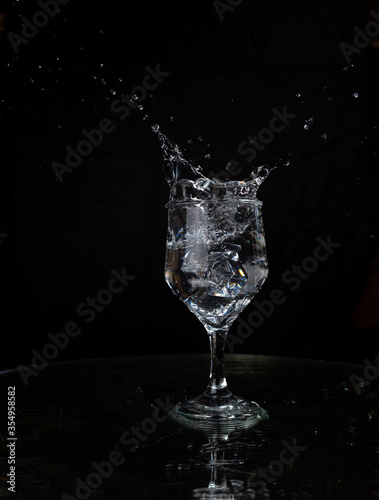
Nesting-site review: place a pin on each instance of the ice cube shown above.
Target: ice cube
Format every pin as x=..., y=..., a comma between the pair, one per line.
x=225, y=274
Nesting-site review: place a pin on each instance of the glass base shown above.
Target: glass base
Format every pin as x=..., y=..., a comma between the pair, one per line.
x=218, y=413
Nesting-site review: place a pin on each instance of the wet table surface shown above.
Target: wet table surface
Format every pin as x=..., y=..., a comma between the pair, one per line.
x=99, y=429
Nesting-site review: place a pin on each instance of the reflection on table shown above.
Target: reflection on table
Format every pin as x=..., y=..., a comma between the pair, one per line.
x=99, y=429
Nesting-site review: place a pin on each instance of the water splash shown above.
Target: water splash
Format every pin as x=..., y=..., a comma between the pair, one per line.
x=188, y=178
x=174, y=163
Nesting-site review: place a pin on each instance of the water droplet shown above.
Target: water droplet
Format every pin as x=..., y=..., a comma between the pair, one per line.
x=155, y=128
x=207, y=156
x=140, y=107
x=298, y=94
x=190, y=141
x=355, y=95
x=113, y=92
x=172, y=118
x=200, y=139
x=146, y=117
x=308, y=123
x=324, y=136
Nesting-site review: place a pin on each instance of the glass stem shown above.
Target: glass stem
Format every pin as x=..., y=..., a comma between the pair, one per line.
x=217, y=386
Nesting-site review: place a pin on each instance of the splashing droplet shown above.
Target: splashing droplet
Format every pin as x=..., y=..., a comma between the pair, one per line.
x=308, y=123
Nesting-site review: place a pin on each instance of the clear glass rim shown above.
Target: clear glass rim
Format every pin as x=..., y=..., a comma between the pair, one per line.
x=253, y=201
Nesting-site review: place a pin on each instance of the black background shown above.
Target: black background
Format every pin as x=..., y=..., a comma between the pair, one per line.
x=227, y=72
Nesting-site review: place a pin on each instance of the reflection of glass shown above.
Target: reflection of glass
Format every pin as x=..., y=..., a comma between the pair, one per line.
x=215, y=263
x=218, y=487
x=225, y=455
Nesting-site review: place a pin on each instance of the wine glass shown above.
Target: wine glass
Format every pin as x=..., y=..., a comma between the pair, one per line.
x=215, y=263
